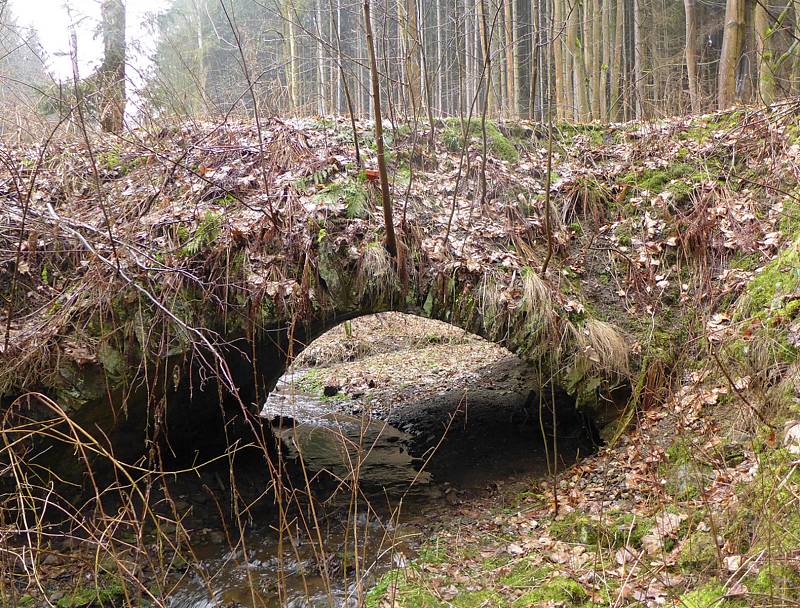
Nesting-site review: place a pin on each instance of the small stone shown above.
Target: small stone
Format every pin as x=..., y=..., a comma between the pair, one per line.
x=216, y=537
x=51, y=559
x=733, y=562
x=791, y=437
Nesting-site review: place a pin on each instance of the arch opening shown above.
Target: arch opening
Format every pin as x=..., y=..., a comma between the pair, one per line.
x=422, y=406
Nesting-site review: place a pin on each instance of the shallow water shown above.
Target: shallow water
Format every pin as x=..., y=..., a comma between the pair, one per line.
x=334, y=562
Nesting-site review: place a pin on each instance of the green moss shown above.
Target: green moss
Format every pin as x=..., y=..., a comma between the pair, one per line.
x=744, y=261
x=311, y=382
x=402, y=176
x=679, y=452
x=711, y=595
x=433, y=551
x=498, y=144
x=685, y=476
x=698, y=553
x=781, y=276
x=680, y=179
x=559, y=590
x=407, y=592
x=706, y=127
x=623, y=234
x=776, y=580
x=525, y=574
x=226, y=200
x=110, y=159
x=105, y=595
x=789, y=223
x=565, y=132
x=578, y=528
x=476, y=599
x=629, y=529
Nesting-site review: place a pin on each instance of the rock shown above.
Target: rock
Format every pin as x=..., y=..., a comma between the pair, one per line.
x=686, y=480
x=52, y=559
x=216, y=537
x=791, y=437
x=733, y=562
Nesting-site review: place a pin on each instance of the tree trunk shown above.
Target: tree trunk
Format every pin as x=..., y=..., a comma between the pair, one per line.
x=468, y=56
x=615, y=90
x=440, y=67
x=597, y=52
x=605, y=66
x=732, y=41
x=795, y=73
x=391, y=239
x=638, y=59
x=411, y=32
x=691, y=54
x=487, y=54
x=322, y=97
x=556, y=27
x=766, y=78
x=534, y=59
x=292, y=63
x=112, y=71
x=576, y=51
x=511, y=78
x=340, y=75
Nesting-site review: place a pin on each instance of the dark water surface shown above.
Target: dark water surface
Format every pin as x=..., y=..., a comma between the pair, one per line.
x=407, y=482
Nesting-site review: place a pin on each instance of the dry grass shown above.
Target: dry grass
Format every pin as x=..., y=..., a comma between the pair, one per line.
x=605, y=346
x=538, y=303
x=490, y=302
x=377, y=278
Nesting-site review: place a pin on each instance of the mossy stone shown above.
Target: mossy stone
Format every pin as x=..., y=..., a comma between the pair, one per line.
x=698, y=553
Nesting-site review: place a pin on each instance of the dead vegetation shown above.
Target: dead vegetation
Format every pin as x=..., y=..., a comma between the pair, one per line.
x=199, y=240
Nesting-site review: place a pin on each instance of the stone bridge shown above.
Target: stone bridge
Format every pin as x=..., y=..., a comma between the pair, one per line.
x=156, y=286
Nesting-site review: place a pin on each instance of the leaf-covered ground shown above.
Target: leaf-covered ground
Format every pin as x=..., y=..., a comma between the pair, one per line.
x=223, y=219
x=675, y=274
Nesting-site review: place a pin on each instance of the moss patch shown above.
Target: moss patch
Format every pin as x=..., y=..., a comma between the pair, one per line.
x=559, y=590
x=698, y=553
x=498, y=144
x=680, y=179
x=105, y=595
x=777, y=581
x=525, y=574
x=711, y=595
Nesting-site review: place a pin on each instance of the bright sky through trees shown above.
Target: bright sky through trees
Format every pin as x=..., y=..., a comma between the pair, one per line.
x=51, y=19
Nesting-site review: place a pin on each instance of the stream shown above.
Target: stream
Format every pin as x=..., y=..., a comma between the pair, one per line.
x=411, y=475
